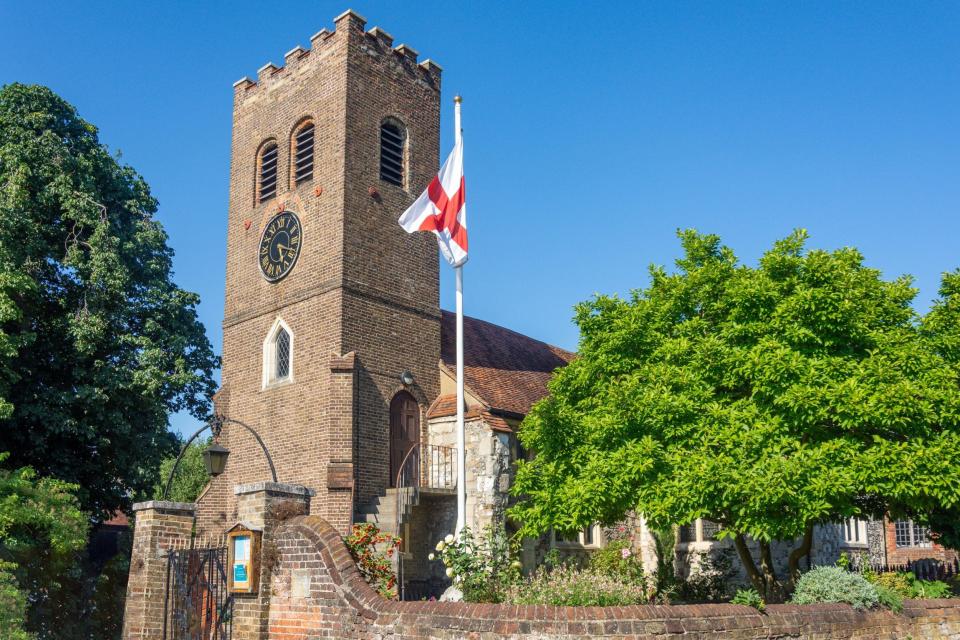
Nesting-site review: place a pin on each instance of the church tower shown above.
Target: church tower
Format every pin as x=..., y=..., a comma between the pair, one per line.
x=329, y=303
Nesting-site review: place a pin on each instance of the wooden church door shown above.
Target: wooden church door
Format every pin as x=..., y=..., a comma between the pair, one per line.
x=404, y=434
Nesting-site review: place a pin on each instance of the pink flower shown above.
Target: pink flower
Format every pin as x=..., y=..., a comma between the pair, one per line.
x=625, y=553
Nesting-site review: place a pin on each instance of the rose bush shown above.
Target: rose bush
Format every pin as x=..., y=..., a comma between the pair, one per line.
x=373, y=551
x=481, y=567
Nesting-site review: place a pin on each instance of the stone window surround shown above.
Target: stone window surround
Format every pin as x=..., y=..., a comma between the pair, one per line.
x=700, y=542
x=861, y=528
x=598, y=541
x=270, y=356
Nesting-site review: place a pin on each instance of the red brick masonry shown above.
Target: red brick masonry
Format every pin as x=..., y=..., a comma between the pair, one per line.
x=318, y=592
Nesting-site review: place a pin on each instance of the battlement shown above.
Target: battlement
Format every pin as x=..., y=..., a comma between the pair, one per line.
x=375, y=42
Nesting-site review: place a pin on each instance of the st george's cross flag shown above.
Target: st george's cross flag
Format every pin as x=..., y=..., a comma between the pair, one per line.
x=442, y=209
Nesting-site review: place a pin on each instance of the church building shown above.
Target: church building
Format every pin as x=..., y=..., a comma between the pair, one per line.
x=335, y=349
x=336, y=352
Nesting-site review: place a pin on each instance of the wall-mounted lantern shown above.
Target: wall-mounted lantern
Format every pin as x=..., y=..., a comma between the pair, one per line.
x=215, y=459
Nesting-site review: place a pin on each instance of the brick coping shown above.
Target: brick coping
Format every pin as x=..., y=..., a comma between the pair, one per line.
x=369, y=604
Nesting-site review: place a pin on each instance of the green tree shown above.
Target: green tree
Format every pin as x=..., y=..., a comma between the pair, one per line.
x=40, y=525
x=191, y=476
x=942, y=327
x=97, y=344
x=767, y=399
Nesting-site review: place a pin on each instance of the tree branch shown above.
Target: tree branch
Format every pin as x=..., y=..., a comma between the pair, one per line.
x=793, y=562
x=747, y=560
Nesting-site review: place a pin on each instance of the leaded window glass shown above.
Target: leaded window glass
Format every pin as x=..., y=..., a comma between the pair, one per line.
x=282, y=355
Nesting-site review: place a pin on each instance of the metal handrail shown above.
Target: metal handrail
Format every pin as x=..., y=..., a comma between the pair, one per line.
x=436, y=475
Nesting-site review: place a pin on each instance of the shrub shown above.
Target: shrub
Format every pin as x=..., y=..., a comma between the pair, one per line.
x=375, y=564
x=568, y=586
x=710, y=577
x=617, y=560
x=665, y=583
x=480, y=568
x=889, y=598
x=899, y=583
x=833, y=584
x=929, y=589
x=749, y=597
x=906, y=585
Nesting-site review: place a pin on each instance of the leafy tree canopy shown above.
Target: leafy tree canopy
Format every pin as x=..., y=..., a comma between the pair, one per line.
x=40, y=524
x=767, y=399
x=97, y=343
x=191, y=476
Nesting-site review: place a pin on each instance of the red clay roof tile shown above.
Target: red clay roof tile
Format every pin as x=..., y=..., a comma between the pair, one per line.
x=508, y=370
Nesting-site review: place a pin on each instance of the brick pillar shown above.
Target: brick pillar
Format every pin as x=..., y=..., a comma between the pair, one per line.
x=264, y=505
x=338, y=508
x=159, y=527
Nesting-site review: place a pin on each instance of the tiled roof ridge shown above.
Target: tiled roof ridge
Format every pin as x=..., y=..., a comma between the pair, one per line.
x=553, y=347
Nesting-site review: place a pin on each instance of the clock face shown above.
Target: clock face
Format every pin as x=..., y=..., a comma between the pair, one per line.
x=280, y=246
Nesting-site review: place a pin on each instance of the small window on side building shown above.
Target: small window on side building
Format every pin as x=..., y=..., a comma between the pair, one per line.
x=910, y=534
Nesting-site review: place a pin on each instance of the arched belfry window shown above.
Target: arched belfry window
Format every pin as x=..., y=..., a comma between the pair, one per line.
x=393, y=139
x=267, y=172
x=302, y=153
x=278, y=354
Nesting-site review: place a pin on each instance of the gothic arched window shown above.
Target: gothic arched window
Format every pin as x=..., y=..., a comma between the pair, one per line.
x=278, y=354
x=393, y=139
x=267, y=172
x=302, y=153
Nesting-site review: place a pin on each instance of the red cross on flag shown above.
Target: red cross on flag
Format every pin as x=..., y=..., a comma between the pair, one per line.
x=442, y=209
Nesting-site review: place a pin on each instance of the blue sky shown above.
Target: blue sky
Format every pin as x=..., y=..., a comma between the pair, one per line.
x=592, y=130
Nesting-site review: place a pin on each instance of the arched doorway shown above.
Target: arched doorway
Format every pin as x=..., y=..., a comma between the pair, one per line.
x=404, y=434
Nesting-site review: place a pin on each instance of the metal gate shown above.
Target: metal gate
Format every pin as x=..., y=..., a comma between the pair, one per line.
x=198, y=605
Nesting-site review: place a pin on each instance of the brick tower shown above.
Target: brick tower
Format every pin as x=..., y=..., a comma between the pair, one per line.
x=356, y=298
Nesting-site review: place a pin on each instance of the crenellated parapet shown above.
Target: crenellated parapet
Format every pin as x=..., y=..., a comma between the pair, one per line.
x=376, y=42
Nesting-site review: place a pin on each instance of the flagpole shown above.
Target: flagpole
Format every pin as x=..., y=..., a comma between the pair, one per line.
x=461, y=435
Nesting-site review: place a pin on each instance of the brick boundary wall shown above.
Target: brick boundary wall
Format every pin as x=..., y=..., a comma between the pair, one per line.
x=317, y=591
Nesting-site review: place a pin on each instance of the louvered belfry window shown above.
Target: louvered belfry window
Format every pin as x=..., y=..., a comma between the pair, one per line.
x=303, y=156
x=392, y=138
x=282, y=355
x=268, y=173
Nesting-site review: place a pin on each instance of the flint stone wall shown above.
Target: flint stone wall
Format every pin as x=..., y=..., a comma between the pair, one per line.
x=318, y=592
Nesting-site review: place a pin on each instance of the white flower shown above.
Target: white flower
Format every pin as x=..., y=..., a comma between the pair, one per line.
x=440, y=546
x=449, y=538
x=450, y=573
x=468, y=551
x=431, y=557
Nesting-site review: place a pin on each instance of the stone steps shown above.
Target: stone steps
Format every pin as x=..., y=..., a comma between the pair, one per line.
x=382, y=510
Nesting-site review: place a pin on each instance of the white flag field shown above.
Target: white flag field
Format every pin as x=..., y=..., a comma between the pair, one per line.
x=442, y=209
